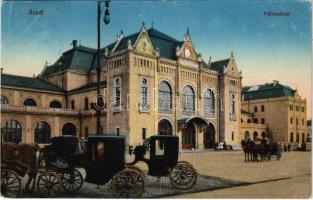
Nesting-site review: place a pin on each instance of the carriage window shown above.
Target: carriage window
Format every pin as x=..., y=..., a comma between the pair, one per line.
x=98, y=151
x=159, y=148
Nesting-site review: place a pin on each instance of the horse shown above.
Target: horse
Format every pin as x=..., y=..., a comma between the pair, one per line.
x=21, y=158
x=246, y=146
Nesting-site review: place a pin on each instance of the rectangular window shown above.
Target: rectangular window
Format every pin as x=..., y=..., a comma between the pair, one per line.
x=86, y=132
x=144, y=130
x=117, y=131
x=144, y=94
x=86, y=104
x=232, y=106
x=117, y=93
x=73, y=104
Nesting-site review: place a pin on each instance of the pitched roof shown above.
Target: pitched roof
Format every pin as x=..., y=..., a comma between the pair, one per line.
x=219, y=65
x=165, y=43
x=28, y=82
x=80, y=58
x=265, y=91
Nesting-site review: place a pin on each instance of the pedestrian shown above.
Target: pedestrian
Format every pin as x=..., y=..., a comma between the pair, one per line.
x=285, y=147
x=289, y=147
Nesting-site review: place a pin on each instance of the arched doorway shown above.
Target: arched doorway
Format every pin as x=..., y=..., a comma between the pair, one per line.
x=42, y=133
x=263, y=135
x=189, y=136
x=255, y=135
x=69, y=129
x=247, y=135
x=165, y=127
x=209, y=136
x=11, y=132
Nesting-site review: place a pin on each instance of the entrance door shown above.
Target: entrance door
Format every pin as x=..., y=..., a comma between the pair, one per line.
x=209, y=136
x=189, y=137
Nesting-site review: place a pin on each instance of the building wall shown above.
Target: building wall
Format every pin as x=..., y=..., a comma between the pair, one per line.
x=277, y=116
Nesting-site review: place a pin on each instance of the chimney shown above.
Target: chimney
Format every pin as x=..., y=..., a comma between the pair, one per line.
x=74, y=43
x=275, y=82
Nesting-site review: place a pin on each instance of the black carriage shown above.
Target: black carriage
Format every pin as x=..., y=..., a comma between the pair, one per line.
x=274, y=149
x=163, y=161
x=103, y=160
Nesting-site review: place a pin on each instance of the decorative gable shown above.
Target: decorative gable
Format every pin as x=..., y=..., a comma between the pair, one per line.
x=143, y=43
x=231, y=68
x=187, y=51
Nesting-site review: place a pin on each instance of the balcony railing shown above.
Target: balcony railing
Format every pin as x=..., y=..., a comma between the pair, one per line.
x=253, y=125
x=10, y=108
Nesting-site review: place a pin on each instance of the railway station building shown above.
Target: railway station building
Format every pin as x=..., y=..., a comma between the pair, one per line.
x=152, y=84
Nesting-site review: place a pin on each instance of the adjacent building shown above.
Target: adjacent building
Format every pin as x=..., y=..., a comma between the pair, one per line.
x=152, y=84
x=276, y=108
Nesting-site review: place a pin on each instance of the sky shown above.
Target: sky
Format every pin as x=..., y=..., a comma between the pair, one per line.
x=265, y=48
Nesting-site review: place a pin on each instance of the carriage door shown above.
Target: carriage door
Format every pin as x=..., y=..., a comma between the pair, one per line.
x=189, y=137
x=209, y=136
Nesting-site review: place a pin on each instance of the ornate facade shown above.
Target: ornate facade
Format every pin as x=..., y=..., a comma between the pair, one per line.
x=152, y=84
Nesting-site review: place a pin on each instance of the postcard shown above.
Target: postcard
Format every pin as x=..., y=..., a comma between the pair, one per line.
x=156, y=99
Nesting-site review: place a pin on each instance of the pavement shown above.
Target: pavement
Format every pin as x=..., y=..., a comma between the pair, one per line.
x=225, y=175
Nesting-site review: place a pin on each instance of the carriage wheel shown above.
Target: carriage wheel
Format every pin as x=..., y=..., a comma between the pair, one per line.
x=48, y=184
x=183, y=176
x=10, y=184
x=136, y=168
x=128, y=183
x=73, y=181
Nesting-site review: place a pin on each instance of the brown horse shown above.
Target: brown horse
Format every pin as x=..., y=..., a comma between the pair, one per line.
x=247, y=149
x=20, y=158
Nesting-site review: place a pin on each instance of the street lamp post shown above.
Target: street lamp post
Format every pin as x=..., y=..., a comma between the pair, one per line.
x=106, y=20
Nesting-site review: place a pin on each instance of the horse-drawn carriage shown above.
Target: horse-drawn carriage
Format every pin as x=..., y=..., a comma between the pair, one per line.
x=261, y=150
x=55, y=166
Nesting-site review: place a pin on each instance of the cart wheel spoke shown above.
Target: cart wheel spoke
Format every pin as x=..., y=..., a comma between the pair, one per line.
x=10, y=184
x=128, y=183
x=183, y=176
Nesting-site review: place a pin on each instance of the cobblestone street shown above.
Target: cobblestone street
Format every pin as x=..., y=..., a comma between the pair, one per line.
x=226, y=175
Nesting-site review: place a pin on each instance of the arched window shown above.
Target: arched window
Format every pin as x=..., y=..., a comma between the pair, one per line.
x=165, y=96
x=69, y=129
x=255, y=135
x=249, y=121
x=209, y=103
x=263, y=135
x=290, y=120
x=241, y=120
x=4, y=100
x=30, y=102
x=247, y=135
x=255, y=109
x=262, y=108
x=144, y=97
x=297, y=137
x=255, y=120
x=165, y=127
x=291, y=137
x=232, y=136
x=12, y=131
x=55, y=104
x=188, y=96
x=262, y=121
x=42, y=133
